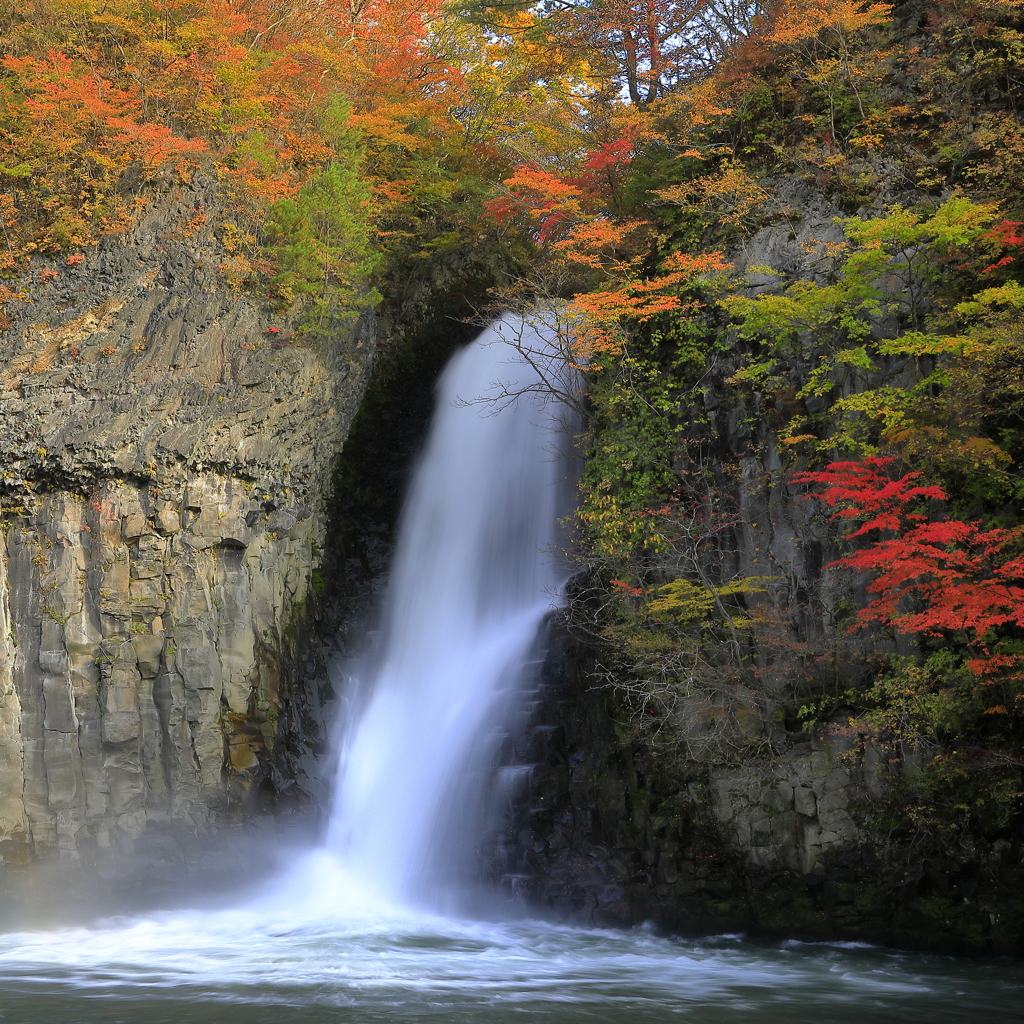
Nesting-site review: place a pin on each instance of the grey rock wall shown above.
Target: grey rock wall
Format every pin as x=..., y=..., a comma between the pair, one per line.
x=168, y=445
x=608, y=832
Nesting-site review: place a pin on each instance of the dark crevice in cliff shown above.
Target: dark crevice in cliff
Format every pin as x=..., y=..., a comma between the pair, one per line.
x=373, y=470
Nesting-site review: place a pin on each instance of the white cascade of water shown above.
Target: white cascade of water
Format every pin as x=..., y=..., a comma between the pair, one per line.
x=476, y=571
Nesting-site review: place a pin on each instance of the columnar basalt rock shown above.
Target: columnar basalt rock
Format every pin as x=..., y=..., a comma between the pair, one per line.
x=788, y=848
x=168, y=448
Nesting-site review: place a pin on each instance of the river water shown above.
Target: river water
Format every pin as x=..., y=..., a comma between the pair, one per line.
x=254, y=966
x=370, y=926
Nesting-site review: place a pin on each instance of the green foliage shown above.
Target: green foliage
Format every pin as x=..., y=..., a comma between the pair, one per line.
x=882, y=271
x=692, y=604
x=923, y=703
x=940, y=733
x=880, y=314
x=637, y=426
x=629, y=459
x=321, y=239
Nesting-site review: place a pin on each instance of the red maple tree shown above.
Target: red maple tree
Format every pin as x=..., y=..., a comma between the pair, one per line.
x=932, y=577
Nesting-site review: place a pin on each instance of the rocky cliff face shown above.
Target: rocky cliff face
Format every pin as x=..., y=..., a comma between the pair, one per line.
x=792, y=838
x=168, y=449
x=611, y=834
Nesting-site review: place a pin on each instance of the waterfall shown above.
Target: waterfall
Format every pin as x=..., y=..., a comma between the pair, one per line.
x=476, y=571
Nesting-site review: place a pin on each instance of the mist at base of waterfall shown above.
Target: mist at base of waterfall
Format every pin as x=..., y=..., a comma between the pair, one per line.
x=293, y=959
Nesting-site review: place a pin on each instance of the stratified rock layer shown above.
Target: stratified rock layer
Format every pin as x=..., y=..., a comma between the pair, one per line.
x=168, y=448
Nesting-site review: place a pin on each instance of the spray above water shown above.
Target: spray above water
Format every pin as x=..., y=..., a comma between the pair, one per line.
x=477, y=569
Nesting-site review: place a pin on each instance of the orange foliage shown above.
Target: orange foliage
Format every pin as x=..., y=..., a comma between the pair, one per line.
x=598, y=315
x=251, y=87
x=573, y=214
x=794, y=23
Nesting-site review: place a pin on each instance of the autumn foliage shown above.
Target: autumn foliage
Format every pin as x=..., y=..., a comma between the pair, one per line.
x=930, y=577
x=100, y=100
x=605, y=163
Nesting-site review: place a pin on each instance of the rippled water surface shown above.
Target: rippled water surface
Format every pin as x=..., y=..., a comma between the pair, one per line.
x=261, y=967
